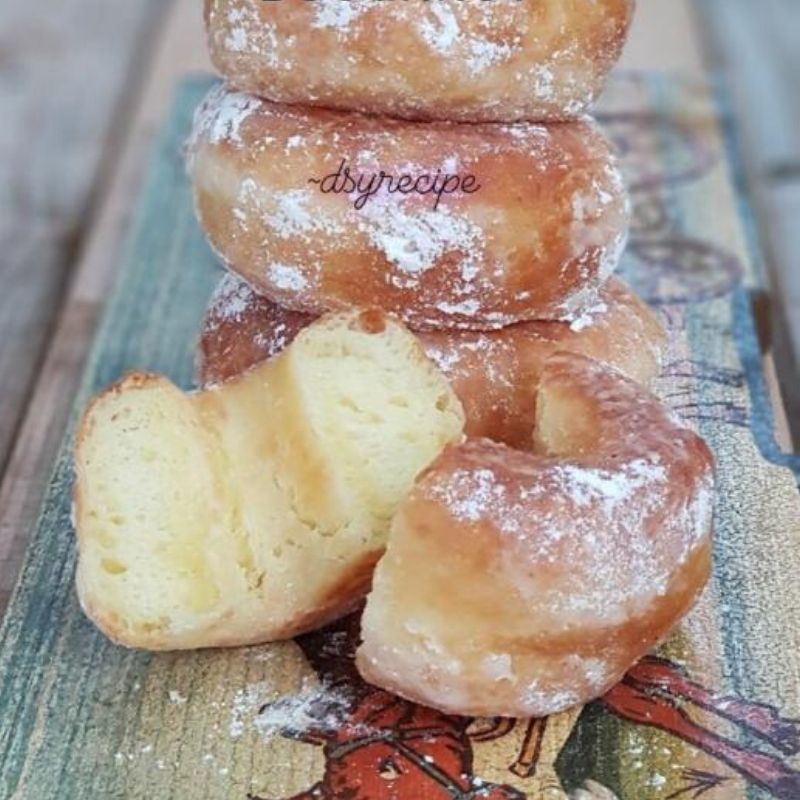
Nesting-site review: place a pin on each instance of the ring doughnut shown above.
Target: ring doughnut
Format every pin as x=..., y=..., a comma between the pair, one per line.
x=494, y=373
x=483, y=61
x=537, y=221
x=521, y=583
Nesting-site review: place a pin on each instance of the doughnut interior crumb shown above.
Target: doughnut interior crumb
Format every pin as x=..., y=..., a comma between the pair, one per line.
x=257, y=509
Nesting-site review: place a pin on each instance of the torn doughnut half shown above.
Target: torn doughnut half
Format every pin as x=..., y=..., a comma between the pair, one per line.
x=257, y=510
x=521, y=583
x=494, y=373
x=278, y=192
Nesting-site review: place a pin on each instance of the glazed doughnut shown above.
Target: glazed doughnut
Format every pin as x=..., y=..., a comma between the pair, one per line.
x=501, y=61
x=494, y=373
x=521, y=583
x=537, y=222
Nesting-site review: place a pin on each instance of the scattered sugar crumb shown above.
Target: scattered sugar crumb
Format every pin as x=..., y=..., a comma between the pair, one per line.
x=176, y=697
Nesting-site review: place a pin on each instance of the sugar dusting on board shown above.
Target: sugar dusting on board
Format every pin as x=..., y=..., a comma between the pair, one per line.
x=314, y=707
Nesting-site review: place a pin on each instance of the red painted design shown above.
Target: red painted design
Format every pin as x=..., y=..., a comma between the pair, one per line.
x=655, y=693
x=383, y=747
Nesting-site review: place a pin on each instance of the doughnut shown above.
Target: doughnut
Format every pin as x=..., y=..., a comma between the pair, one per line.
x=477, y=61
x=443, y=225
x=521, y=583
x=257, y=510
x=494, y=373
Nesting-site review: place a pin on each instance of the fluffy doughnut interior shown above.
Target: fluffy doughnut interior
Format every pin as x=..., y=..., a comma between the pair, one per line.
x=520, y=583
x=256, y=510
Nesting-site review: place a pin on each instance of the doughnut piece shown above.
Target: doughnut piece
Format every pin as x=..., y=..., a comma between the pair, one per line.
x=523, y=583
x=494, y=373
x=501, y=61
x=544, y=228
x=255, y=511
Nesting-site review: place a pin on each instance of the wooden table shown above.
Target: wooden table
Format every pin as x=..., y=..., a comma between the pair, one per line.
x=68, y=182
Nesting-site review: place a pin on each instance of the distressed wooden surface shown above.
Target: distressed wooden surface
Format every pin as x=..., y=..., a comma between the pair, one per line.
x=82, y=718
x=755, y=47
x=68, y=72
x=178, y=48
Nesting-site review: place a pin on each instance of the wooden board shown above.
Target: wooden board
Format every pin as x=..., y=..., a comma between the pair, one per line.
x=68, y=70
x=717, y=713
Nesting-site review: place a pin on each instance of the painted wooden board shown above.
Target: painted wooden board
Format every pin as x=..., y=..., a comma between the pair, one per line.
x=716, y=715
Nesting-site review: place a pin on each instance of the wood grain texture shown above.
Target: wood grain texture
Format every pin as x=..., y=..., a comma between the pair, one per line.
x=67, y=72
x=663, y=37
x=82, y=718
x=754, y=47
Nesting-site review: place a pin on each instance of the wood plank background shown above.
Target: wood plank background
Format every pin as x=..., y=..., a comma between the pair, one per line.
x=755, y=48
x=68, y=78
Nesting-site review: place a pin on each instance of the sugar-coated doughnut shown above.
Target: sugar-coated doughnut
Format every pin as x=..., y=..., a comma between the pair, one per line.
x=494, y=373
x=523, y=583
x=473, y=61
x=257, y=510
x=537, y=222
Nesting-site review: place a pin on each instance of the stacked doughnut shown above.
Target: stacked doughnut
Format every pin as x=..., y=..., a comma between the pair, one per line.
x=432, y=163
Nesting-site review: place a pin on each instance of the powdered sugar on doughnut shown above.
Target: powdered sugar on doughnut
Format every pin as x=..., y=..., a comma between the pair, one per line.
x=291, y=212
x=338, y=15
x=589, y=316
x=232, y=300
x=542, y=232
x=220, y=116
x=441, y=27
x=415, y=240
x=448, y=59
x=232, y=331
x=287, y=277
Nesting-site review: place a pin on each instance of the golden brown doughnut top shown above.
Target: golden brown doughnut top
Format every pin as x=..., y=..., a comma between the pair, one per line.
x=468, y=60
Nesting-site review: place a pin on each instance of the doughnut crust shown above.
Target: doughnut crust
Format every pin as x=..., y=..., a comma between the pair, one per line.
x=543, y=229
x=482, y=61
x=254, y=511
x=494, y=373
x=523, y=583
